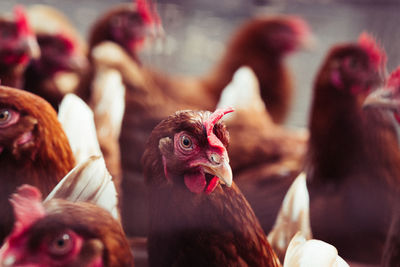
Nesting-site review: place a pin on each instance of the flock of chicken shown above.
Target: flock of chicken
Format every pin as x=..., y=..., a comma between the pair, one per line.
x=136, y=172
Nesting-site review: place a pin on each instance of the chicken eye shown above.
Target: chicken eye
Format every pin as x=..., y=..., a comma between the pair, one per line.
x=8, y=117
x=61, y=244
x=186, y=142
x=352, y=63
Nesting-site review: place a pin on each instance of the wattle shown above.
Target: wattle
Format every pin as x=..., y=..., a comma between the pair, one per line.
x=195, y=182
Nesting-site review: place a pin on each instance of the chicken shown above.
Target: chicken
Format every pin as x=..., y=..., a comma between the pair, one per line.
x=266, y=164
x=262, y=44
x=74, y=226
x=62, y=62
x=17, y=46
x=352, y=159
x=33, y=148
x=198, y=216
x=126, y=25
x=387, y=98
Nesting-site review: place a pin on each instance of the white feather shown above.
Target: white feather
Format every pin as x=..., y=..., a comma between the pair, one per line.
x=108, y=101
x=90, y=182
x=77, y=120
x=312, y=253
x=243, y=92
x=294, y=216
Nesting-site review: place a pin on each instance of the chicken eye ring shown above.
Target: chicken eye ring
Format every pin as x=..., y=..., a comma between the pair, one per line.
x=8, y=117
x=185, y=142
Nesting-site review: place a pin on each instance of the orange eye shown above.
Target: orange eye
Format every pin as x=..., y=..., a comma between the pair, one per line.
x=8, y=117
x=4, y=115
x=61, y=244
x=186, y=142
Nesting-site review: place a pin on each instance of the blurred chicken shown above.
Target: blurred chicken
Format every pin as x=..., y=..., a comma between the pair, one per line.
x=17, y=47
x=353, y=159
x=126, y=25
x=198, y=216
x=266, y=164
x=33, y=148
x=62, y=62
x=74, y=226
x=388, y=98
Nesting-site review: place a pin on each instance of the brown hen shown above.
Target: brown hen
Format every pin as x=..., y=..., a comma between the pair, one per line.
x=198, y=217
x=33, y=147
x=353, y=156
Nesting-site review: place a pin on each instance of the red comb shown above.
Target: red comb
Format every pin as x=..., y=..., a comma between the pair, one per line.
x=211, y=121
x=28, y=208
x=143, y=9
x=375, y=52
x=394, y=79
x=299, y=25
x=22, y=20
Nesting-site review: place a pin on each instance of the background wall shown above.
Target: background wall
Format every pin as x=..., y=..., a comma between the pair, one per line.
x=198, y=29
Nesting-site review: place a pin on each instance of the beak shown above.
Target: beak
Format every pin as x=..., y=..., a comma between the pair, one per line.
x=309, y=42
x=33, y=47
x=77, y=63
x=219, y=166
x=381, y=98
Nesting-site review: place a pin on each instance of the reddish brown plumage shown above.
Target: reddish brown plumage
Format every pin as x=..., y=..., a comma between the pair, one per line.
x=41, y=161
x=353, y=157
x=188, y=229
x=386, y=100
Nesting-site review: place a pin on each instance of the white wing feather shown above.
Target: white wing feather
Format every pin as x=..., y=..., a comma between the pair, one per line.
x=90, y=182
x=312, y=253
x=77, y=120
x=293, y=217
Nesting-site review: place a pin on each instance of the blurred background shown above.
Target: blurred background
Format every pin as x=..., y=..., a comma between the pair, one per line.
x=197, y=30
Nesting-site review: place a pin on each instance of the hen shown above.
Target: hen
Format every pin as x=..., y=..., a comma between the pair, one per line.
x=62, y=62
x=387, y=98
x=17, y=46
x=126, y=25
x=75, y=226
x=33, y=148
x=353, y=158
x=198, y=216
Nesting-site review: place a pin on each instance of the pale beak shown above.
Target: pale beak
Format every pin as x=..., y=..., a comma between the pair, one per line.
x=309, y=42
x=33, y=46
x=220, y=168
x=382, y=98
